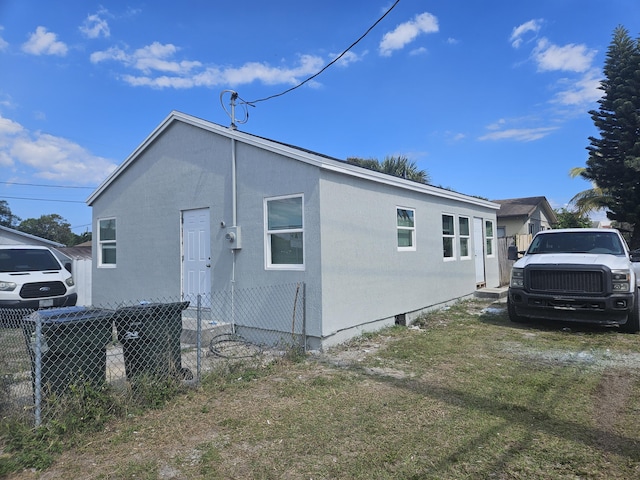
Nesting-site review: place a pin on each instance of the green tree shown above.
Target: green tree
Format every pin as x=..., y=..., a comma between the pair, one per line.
x=614, y=157
x=52, y=227
x=571, y=219
x=7, y=218
x=398, y=166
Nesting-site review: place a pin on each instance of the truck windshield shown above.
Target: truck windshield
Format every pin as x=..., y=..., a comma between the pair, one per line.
x=27, y=260
x=577, y=242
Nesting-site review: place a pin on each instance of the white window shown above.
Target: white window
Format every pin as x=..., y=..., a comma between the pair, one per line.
x=406, y=228
x=284, y=239
x=107, y=242
x=448, y=237
x=463, y=232
x=488, y=233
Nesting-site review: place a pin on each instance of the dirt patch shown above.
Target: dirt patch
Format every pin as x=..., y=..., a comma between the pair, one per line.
x=610, y=398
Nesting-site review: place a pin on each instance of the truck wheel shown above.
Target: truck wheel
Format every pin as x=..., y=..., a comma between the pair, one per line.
x=633, y=322
x=513, y=316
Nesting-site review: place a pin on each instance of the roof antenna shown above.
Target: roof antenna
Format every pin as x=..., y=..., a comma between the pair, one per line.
x=232, y=104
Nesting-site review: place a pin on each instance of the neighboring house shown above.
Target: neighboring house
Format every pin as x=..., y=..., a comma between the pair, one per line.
x=524, y=216
x=9, y=236
x=199, y=208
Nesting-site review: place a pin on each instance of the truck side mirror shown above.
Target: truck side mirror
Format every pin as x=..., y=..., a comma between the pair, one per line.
x=67, y=267
x=512, y=252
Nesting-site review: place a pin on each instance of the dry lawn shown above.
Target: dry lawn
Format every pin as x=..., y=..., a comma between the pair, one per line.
x=465, y=395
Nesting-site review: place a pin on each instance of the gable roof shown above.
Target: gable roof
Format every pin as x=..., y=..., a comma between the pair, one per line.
x=524, y=207
x=26, y=238
x=313, y=158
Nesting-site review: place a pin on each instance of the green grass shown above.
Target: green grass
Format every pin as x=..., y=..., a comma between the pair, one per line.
x=467, y=396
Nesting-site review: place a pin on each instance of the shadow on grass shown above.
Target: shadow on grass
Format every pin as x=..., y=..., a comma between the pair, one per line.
x=497, y=315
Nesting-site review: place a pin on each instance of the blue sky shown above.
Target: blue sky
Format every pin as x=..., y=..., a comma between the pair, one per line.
x=490, y=97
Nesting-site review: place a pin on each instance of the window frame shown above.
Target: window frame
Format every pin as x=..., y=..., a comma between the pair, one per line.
x=268, y=258
x=411, y=229
x=102, y=243
x=489, y=243
x=451, y=236
x=466, y=237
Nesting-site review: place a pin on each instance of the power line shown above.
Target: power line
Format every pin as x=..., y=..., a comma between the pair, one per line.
x=327, y=65
x=43, y=199
x=47, y=186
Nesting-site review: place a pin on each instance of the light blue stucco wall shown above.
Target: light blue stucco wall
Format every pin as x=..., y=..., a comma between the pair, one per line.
x=365, y=279
x=355, y=278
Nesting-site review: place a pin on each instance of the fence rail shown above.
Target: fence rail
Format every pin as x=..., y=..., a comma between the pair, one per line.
x=43, y=354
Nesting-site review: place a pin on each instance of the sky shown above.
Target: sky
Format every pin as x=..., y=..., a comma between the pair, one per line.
x=490, y=98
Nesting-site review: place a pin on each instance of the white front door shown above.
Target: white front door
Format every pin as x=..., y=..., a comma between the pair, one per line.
x=196, y=255
x=478, y=250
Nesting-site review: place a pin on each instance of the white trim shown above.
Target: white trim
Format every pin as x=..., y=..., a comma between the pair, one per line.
x=322, y=162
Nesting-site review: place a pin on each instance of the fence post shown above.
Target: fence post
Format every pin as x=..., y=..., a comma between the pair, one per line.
x=304, y=315
x=198, y=338
x=37, y=371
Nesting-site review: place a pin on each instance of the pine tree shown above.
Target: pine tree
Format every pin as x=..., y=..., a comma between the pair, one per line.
x=614, y=158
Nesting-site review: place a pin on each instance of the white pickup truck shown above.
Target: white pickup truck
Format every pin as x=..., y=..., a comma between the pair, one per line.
x=576, y=275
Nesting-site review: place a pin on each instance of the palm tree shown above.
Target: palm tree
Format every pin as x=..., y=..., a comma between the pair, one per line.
x=590, y=200
x=398, y=166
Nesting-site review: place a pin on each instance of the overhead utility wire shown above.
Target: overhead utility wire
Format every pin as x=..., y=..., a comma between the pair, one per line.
x=43, y=199
x=48, y=186
x=327, y=65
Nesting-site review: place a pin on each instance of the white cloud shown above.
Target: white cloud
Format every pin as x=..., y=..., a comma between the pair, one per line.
x=42, y=42
x=582, y=92
x=348, y=58
x=95, y=26
x=521, y=30
x=51, y=157
x=571, y=57
x=407, y=32
x=519, y=134
x=159, y=58
x=3, y=43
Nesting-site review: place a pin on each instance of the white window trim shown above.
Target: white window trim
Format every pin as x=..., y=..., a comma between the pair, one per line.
x=412, y=248
x=267, y=236
x=100, y=242
x=492, y=237
x=468, y=237
x=453, y=257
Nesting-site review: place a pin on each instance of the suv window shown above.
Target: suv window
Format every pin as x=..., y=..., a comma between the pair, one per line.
x=24, y=260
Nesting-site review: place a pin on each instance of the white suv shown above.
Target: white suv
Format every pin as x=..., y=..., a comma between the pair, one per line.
x=31, y=277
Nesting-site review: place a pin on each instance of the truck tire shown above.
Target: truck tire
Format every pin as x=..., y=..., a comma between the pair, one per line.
x=513, y=316
x=633, y=322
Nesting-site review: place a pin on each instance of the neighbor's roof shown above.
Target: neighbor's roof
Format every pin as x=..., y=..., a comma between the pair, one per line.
x=524, y=207
x=319, y=160
x=27, y=237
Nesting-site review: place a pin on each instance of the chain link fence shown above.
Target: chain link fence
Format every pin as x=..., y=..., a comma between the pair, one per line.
x=46, y=354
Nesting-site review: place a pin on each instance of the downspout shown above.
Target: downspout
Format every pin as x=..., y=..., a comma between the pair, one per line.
x=234, y=219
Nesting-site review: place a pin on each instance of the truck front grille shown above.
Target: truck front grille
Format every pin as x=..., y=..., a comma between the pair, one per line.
x=581, y=281
x=42, y=290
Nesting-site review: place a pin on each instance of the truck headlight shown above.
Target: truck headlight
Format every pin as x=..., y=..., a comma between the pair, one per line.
x=620, y=280
x=69, y=282
x=517, y=278
x=7, y=286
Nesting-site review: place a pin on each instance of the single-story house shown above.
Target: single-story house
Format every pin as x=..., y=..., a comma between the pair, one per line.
x=199, y=208
x=524, y=216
